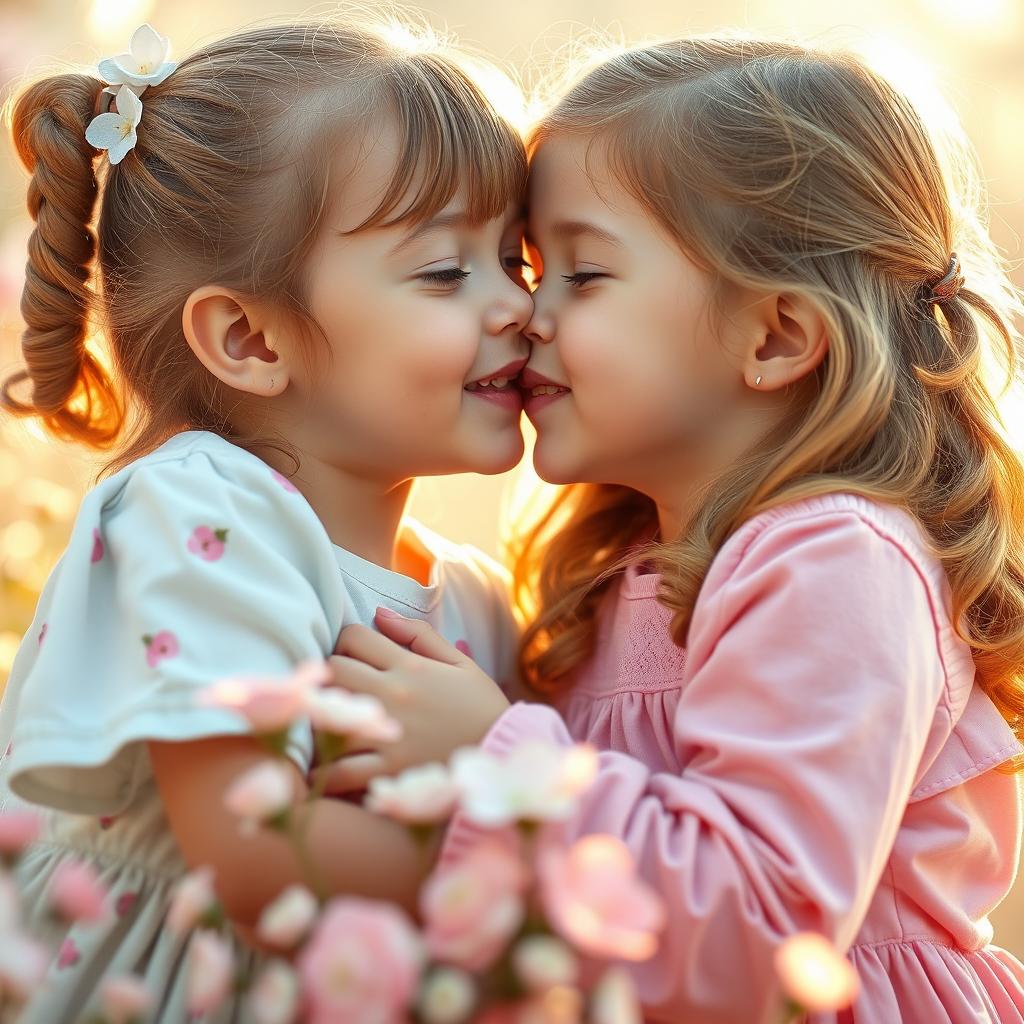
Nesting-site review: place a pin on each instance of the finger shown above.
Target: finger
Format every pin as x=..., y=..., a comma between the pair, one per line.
x=355, y=675
x=418, y=636
x=368, y=646
x=348, y=774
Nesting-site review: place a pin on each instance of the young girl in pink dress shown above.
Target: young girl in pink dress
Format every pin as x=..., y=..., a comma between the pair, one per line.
x=784, y=593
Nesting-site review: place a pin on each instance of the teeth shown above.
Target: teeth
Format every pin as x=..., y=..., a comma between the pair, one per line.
x=489, y=382
x=545, y=389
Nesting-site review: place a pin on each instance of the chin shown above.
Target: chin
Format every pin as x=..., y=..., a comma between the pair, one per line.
x=555, y=469
x=499, y=458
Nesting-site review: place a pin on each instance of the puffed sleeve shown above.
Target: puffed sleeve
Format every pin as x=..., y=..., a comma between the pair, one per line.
x=192, y=569
x=812, y=679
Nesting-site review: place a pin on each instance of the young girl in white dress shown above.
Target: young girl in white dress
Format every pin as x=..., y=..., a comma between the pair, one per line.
x=307, y=264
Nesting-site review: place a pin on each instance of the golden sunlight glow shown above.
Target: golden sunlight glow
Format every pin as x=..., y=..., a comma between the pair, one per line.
x=35, y=428
x=112, y=19
x=409, y=37
x=525, y=495
x=21, y=539
x=8, y=649
x=913, y=74
x=1011, y=408
x=501, y=89
x=984, y=14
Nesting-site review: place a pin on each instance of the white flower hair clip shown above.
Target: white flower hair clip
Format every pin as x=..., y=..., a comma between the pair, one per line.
x=128, y=75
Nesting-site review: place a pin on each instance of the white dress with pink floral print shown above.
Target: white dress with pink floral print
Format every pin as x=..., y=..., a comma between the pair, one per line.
x=192, y=564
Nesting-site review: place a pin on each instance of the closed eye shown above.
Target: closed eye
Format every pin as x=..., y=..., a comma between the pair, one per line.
x=578, y=280
x=450, y=276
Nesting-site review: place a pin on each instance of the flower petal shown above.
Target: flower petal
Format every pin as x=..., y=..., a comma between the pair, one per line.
x=129, y=105
x=104, y=130
x=118, y=152
x=114, y=69
x=148, y=46
x=156, y=77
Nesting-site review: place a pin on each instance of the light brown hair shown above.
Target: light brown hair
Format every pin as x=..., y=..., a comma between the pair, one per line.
x=227, y=183
x=780, y=167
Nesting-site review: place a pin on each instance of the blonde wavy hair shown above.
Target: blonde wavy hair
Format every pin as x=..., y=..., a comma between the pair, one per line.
x=228, y=182
x=781, y=167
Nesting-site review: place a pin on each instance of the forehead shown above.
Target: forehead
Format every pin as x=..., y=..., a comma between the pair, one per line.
x=361, y=174
x=570, y=178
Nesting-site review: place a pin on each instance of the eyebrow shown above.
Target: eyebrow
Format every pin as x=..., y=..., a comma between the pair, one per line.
x=453, y=219
x=567, y=230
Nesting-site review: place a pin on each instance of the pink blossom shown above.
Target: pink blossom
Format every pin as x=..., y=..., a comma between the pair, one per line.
x=268, y=703
x=362, y=964
x=594, y=899
x=76, y=892
x=615, y=1000
x=206, y=543
x=125, y=998
x=419, y=795
x=274, y=998
x=97, y=546
x=536, y=781
x=163, y=645
x=473, y=909
x=211, y=972
x=260, y=794
x=192, y=899
x=814, y=974
x=543, y=961
x=23, y=964
x=447, y=997
x=285, y=921
x=351, y=714
x=17, y=830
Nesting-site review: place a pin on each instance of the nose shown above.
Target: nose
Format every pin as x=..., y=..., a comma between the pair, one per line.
x=512, y=310
x=540, y=330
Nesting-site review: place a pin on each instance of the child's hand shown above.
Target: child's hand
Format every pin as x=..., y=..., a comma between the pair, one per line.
x=440, y=697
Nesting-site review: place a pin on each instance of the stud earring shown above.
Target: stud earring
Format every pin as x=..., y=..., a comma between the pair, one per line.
x=757, y=380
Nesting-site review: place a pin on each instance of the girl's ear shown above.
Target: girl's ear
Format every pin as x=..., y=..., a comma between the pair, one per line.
x=791, y=340
x=236, y=340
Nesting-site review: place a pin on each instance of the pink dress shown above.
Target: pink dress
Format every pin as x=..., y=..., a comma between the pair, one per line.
x=819, y=757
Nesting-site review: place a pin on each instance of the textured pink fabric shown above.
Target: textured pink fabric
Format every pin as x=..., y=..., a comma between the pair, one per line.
x=819, y=757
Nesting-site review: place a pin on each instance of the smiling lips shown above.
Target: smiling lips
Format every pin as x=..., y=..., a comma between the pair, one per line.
x=517, y=387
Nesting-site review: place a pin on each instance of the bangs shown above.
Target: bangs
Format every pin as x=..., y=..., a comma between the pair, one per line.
x=453, y=141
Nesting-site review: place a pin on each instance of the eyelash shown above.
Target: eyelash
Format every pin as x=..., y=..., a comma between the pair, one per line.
x=456, y=275
x=451, y=275
x=578, y=280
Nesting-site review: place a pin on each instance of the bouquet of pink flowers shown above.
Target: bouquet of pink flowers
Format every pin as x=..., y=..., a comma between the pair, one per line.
x=525, y=930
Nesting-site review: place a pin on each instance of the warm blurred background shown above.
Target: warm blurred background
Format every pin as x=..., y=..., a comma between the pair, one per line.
x=949, y=54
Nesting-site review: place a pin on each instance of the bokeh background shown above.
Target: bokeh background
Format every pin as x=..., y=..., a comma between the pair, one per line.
x=958, y=58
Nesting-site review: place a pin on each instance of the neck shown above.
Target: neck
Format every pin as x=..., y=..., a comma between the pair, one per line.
x=682, y=482
x=360, y=514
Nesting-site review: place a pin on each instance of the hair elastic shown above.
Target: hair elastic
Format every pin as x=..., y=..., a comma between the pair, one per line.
x=947, y=287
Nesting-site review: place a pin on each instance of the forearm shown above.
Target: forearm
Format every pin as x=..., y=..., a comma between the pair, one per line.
x=349, y=850
x=353, y=851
